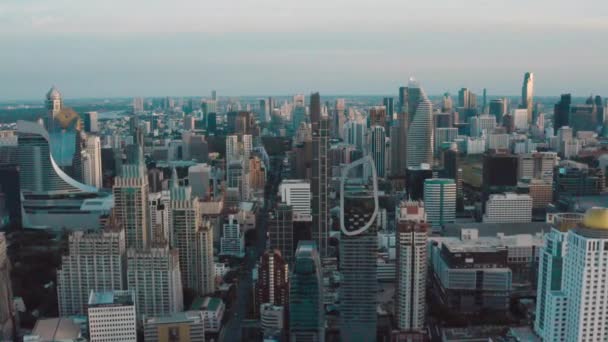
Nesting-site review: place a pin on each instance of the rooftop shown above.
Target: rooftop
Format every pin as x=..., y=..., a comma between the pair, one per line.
x=111, y=298
x=56, y=329
x=179, y=317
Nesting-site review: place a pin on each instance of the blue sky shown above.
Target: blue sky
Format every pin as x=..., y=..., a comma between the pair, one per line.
x=256, y=47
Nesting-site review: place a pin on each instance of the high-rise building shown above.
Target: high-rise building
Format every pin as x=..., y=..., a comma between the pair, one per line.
x=388, y=103
x=138, y=105
x=583, y=117
x=538, y=165
x=232, y=242
x=497, y=109
x=420, y=129
x=198, y=178
x=561, y=112
x=306, y=312
x=440, y=201
x=91, y=162
x=358, y=253
x=44, y=186
x=131, y=202
x=91, y=125
x=527, y=94
x=193, y=239
x=7, y=314
x=338, y=120
x=95, y=262
x=153, y=275
x=272, y=285
x=482, y=124
x=447, y=105
x=280, y=230
x=320, y=173
x=444, y=135
x=354, y=133
x=508, y=208
x=112, y=316
x=571, y=288
x=159, y=203
x=520, y=119
x=411, y=242
x=377, y=117
x=377, y=144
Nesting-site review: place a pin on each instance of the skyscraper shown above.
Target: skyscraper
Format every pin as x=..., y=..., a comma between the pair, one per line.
x=440, y=201
x=339, y=117
x=572, y=292
x=91, y=125
x=377, y=144
x=280, y=230
x=131, y=202
x=497, y=109
x=95, y=261
x=7, y=327
x=420, y=131
x=527, y=94
x=193, y=241
x=412, y=262
x=561, y=112
x=153, y=275
x=320, y=146
x=306, y=313
x=358, y=252
x=91, y=162
x=388, y=104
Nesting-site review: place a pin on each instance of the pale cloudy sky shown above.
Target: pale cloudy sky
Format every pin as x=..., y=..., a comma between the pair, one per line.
x=257, y=47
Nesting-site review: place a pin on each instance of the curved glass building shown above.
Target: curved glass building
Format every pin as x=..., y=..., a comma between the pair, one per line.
x=51, y=199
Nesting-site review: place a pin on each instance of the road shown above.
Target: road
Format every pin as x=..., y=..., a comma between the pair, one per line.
x=231, y=332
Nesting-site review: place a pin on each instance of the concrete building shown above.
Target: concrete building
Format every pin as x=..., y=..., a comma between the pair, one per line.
x=296, y=193
x=95, y=262
x=213, y=310
x=538, y=165
x=55, y=329
x=182, y=326
x=508, y=208
x=272, y=320
x=154, y=277
x=412, y=230
x=112, y=316
x=198, y=179
x=272, y=284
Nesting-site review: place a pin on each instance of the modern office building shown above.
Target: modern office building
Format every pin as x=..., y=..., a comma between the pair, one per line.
x=561, y=112
x=508, y=208
x=411, y=242
x=91, y=161
x=306, y=311
x=297, y=194
x=440, y=201
x=91, y=124
x=96, y=261
x=377, y=144
x=154, y=277
x=354, y=134
x=578, y=179
x=389, y=106
x=112, y=316
x=497, y=109
x=198, y=179
x=572, y=295
x=358, y=253
x=182, y=326
x=7, y=312
x=482, y=124
x=47, y=193
x=583, y=117
x=537, y=165
x=415, y=177
x=420, y=129
x=527, y=95
x=320, y=173
x=280, y=230
x=131, y=201
x=444, y=135
x=232, y=240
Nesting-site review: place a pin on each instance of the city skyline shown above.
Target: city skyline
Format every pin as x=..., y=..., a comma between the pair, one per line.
x=304, y=47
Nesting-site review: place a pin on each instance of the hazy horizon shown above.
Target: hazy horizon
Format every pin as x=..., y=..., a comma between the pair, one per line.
x=159, y=48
